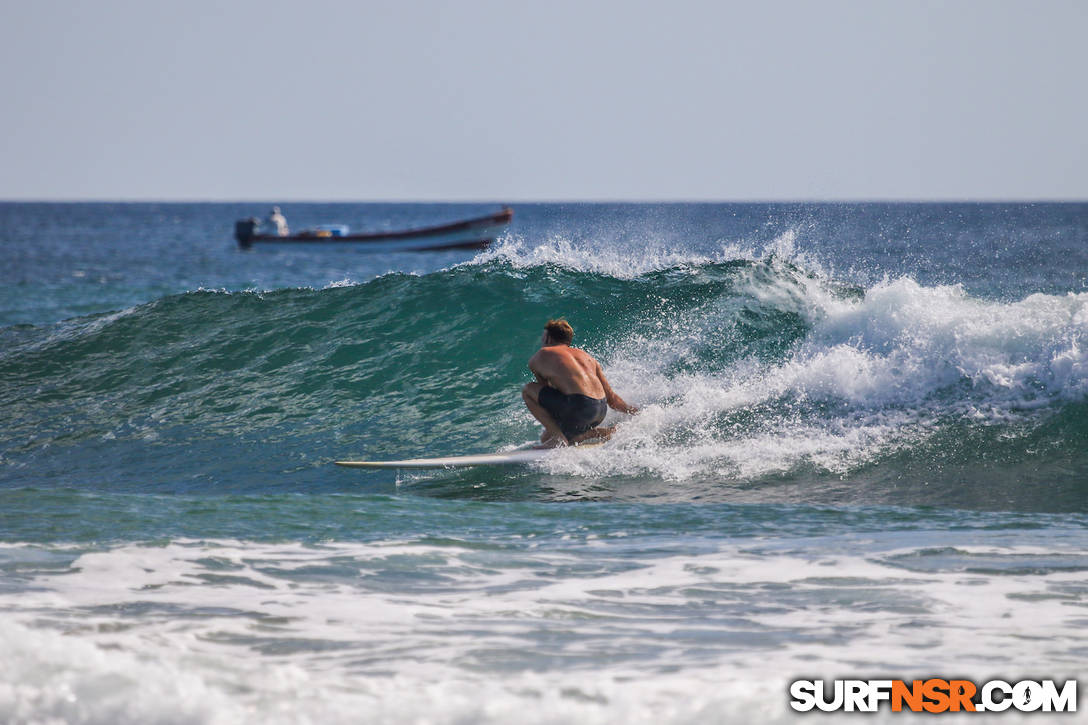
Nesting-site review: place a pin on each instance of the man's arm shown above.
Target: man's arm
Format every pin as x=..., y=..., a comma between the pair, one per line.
x=614, y=401
x=535, y=369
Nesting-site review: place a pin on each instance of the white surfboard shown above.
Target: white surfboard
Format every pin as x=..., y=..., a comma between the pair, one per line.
x=510, y=458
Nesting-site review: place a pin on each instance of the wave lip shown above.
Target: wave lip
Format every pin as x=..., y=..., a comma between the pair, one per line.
x=629, y=261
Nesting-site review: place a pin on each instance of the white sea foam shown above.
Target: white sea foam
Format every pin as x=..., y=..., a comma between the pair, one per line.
x=231, y=631
x=887, y=370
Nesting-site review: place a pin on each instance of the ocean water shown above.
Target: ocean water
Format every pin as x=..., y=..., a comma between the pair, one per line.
x=862, y=452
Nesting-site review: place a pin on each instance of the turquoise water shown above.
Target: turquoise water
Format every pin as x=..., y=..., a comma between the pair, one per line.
x=861, y=453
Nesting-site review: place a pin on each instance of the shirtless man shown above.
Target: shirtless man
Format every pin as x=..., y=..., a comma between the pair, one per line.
x=278, y=223
x=571, y=394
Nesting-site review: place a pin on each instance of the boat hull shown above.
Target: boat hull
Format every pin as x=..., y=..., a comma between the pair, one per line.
x=475, y=233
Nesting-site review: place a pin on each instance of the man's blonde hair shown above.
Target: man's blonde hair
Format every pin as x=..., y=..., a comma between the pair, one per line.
x=560, y=331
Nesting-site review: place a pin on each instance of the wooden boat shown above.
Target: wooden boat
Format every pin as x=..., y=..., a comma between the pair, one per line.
x=476, y=233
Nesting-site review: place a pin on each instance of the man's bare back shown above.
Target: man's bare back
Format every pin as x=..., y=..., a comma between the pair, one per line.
x=568, y=370
x=571, y=392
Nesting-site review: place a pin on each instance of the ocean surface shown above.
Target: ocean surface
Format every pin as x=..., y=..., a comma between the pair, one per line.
x=862, y=452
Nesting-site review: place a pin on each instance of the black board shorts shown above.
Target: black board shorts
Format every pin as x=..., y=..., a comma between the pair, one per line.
x=575, y=413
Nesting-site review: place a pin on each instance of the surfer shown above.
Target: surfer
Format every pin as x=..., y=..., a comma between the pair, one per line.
x=571, y=394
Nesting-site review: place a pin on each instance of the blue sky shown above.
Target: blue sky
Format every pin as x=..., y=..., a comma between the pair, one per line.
x=509, y=101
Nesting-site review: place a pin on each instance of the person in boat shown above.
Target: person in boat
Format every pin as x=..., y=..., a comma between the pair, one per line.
x=571, y=394
x=278, y=223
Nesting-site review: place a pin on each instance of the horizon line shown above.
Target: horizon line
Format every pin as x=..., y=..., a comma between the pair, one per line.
x=509, y=202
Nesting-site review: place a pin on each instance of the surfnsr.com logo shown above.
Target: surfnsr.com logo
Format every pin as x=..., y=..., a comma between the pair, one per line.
x=933, y=695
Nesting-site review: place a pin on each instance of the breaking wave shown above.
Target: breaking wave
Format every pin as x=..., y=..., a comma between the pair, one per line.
x=761, y=377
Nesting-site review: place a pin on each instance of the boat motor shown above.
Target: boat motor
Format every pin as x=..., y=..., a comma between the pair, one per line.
x=244, y=230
